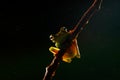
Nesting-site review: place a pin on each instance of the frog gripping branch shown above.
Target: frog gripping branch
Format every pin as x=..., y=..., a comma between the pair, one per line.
x=71, y=52
x=66, y=47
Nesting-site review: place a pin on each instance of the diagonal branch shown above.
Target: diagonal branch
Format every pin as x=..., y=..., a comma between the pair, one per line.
x=51, y=69
x=96, y=5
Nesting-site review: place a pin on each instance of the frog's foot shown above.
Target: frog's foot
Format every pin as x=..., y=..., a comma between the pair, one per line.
x=54, y=50
x=78, y=56
x=68, y=60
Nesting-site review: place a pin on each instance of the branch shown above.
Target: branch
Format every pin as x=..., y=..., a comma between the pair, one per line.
x=51, y=69
x=96, y=5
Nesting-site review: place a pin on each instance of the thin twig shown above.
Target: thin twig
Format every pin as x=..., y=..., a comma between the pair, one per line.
x=51, y=69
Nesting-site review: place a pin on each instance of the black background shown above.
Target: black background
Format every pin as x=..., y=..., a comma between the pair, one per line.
x=25, y=28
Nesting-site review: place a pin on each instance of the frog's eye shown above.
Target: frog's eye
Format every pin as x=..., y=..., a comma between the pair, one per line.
x=64, y=29
x=51, y=37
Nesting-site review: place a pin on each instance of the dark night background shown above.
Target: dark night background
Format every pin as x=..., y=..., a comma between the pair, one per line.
x=25, y=29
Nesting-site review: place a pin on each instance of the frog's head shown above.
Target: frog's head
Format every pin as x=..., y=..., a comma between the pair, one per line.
x=58, y=37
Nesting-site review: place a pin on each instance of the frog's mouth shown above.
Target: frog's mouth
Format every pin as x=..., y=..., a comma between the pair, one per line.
x=52, y=38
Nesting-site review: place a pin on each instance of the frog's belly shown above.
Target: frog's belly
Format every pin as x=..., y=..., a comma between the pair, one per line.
x=70, y=53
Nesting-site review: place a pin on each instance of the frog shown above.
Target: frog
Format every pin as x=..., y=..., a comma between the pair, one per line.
x=58, y=39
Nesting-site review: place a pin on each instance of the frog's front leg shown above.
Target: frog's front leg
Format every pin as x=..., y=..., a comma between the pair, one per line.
x=54, y=50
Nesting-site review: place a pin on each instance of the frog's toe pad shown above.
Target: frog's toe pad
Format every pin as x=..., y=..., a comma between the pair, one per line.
x=68, y=60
